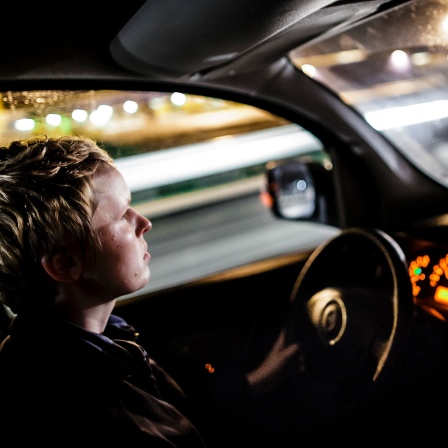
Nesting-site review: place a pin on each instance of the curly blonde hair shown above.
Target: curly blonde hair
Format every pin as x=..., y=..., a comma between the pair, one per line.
x=46, y=203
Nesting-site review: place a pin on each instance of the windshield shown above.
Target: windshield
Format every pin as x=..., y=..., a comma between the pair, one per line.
x=395, y=73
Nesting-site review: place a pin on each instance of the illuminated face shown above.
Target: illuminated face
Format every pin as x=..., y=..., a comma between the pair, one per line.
x=121, y=264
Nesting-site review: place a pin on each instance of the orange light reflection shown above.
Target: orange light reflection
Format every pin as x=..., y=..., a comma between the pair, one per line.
x=441, y=295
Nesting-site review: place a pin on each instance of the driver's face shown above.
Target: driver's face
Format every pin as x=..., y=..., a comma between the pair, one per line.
x=121, y=264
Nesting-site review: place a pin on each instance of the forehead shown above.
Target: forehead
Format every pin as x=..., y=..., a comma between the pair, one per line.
x=108, y=177
x=110, y=189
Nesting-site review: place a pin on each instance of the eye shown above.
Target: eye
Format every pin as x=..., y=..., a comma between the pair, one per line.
x=126, y=214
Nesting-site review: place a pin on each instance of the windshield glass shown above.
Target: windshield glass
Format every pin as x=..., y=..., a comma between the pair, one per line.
x=394, y=72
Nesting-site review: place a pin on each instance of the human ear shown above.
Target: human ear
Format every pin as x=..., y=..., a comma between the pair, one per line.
x=64, y=265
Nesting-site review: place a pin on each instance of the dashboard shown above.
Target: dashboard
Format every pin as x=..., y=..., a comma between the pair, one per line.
x=428, y=272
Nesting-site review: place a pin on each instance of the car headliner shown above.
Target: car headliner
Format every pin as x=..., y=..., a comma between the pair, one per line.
x=164, y=40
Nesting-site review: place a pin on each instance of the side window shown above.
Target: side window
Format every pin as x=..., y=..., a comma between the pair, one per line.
x=205, y=183
x=196, y=168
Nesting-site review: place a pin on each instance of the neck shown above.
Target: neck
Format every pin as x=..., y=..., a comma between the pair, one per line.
x=85, y=311
x=92, y=319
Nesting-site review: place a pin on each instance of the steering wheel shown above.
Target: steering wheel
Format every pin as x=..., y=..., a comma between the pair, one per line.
x=352, y=312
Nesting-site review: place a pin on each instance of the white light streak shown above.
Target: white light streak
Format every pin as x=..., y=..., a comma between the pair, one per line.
x=201, y=159
x=397, y=117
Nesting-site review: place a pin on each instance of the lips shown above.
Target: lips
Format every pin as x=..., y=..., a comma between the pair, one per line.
x=147, y=256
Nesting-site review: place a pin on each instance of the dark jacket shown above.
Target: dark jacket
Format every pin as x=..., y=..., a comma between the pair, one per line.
x=62, y=384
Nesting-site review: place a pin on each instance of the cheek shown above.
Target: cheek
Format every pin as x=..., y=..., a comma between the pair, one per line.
x=108, y=236
x=115, y=241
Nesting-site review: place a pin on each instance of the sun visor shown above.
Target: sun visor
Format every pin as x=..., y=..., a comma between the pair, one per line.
x=178, y=38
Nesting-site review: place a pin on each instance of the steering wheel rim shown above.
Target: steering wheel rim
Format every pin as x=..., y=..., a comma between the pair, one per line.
x=352, y=313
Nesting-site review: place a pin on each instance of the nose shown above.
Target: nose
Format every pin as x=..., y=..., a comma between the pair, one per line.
x=143, y=224
x=147, y=224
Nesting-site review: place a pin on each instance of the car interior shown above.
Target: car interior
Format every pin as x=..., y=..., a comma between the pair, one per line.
x=295, y=180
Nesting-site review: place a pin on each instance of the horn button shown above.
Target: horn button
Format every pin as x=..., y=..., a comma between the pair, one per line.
x=328, y=315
